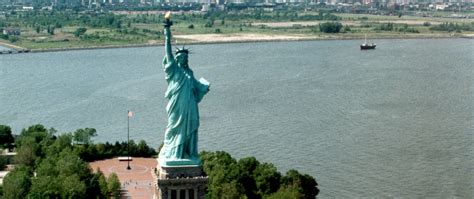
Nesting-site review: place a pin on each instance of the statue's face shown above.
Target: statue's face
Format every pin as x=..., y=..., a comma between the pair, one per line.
x=182, y=59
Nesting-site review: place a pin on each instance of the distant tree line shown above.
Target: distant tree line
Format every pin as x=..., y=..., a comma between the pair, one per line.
x=88, y=151
x=100, y=151
x=41, y=20
x=249, y=178
x=453, y=27
x=261, y=15
x=58, y=19
x=394, y=27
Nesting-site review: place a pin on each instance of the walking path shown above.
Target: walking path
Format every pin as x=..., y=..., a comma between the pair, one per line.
x=11, y=46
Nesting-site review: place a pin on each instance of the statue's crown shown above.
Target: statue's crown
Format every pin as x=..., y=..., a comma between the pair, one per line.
x=182, y=50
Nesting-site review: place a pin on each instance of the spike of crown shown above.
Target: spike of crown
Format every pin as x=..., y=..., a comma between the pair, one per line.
x=182, y=50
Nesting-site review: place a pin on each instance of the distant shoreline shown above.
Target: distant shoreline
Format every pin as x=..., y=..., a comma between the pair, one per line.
x=206, y=39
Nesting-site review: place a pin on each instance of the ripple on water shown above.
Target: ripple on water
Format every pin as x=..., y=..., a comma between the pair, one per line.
x=394, y=122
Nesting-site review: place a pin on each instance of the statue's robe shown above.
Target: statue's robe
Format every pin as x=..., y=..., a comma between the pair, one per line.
x=184, y=93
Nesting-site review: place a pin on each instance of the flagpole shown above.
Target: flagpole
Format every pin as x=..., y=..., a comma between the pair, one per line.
x=128, y=140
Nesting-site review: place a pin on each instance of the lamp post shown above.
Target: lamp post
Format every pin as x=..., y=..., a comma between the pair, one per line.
x=129, y=115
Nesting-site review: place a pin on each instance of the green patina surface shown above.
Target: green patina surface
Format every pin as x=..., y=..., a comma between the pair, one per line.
x=184, y=93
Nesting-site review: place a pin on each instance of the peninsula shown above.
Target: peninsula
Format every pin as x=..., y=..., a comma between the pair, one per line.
x=68, y=30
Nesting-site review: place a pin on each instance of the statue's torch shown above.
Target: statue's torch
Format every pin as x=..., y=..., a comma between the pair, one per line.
x=168, y=22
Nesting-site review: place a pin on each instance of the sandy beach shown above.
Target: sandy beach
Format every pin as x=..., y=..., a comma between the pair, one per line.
x=220, y=38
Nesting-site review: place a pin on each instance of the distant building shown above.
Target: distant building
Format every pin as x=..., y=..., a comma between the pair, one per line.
x=11, y=31
x=47, y=8
x=441, y=6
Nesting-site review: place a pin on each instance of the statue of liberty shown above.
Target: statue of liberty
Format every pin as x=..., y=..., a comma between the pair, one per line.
x=183, y=93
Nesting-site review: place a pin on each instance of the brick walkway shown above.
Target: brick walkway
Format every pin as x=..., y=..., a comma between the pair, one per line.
x=137, y=183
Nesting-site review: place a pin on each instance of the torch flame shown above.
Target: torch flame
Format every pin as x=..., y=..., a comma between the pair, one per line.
x=168, y=15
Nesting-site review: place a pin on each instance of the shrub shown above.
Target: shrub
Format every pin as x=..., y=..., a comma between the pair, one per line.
x=347, y=28
x=330, y=27
x=209, y=24
x=386, y=27
x=13, y=39
x=80, y=31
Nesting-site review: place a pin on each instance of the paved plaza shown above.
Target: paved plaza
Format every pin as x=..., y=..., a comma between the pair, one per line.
x=137, y=183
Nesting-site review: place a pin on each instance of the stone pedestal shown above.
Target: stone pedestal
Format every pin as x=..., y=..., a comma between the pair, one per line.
x=180, y=182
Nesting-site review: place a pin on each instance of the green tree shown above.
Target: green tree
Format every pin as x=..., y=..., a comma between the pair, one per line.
x=118, y=24
x=305, y=184
x=3, y=161
x=63, y=141
x=231, y=190
x=58, y=25
x=80, y=31
x=222, y=171
x=267, y=178
x=386, y=27
x=330, y=27
x=62, y=175
x=60, y=171
x=50, y=30
x=209, y=24
x=33, y=143
x=1, y=191
x=73, y=187
x=48, y=167
x=248, y=178
x=84, y=136
x=16, y=183
x=70, y=163
x=6, y=136
x=93, y=185
x=143, y=149
x=104, y=189
x=246, y=167
x=34, y=134
x=26, y=154
x=13, y=39
x=113, y=184
x=45, y=187
x=347, y=28
x=31, y=130
x=286, y=192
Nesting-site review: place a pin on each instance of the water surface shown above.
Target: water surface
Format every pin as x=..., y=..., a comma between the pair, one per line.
x=393, y=122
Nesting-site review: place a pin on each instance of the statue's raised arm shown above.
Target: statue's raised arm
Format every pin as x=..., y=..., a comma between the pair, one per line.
x=167, y=31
